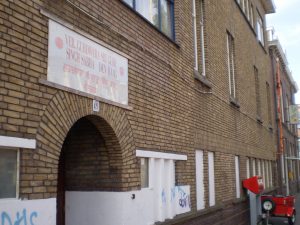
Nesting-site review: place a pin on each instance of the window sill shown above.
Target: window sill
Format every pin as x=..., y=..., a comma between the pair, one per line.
x=148, y=22
x=259, y=120
x=238, y=200
x=202, y=79
x=270, y=127
x=192, y=215
x=233, y=101
x=269, y=190
x=262, y=46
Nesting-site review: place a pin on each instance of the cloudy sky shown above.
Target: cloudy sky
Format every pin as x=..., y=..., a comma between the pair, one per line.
x=286, y=22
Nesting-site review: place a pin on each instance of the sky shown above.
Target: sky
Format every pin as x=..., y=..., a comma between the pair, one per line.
x=286, y=22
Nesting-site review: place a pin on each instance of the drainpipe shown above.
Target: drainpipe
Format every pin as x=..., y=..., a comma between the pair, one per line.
x=196, y=67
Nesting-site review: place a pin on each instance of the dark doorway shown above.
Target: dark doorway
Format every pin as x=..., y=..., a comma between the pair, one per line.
x=87, y=162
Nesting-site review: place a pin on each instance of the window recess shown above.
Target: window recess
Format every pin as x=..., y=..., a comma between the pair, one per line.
x=160, y=13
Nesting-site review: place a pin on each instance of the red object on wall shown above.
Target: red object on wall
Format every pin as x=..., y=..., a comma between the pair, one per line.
x=254, y=184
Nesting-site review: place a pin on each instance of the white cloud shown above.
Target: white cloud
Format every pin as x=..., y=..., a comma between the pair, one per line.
x=282, y=5
x=289, y=37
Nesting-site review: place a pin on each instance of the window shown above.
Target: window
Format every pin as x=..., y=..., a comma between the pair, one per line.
x=269, y=104
x=211, y=179
x=200, y=180
x=251, y=15
x=144, y=172
x=260, y=29
x=282, y=106
x=231, y=64
x=243, y=2
x=247, y=9
x=286, y=111
x=9, y=175
x=158, y=12
x=257, y=94
x=201, y=47
x=237, y=176
x=129, y=2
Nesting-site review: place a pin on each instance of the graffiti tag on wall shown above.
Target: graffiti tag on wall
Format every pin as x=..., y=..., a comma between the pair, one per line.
x=28, y=212
x=20, y=218
x=184, y=198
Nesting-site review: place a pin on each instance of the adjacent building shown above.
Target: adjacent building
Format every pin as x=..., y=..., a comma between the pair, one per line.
x=285, y=88
x=134, y=112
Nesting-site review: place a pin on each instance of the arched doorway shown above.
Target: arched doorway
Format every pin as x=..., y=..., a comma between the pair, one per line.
x=90, y=160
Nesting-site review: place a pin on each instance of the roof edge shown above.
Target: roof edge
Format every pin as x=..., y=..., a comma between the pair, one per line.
x=269, y=6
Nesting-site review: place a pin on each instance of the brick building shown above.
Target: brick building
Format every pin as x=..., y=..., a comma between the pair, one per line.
x=288, y=165
x=134, y=112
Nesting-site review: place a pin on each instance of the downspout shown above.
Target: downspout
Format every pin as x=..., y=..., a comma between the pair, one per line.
x=196, y=67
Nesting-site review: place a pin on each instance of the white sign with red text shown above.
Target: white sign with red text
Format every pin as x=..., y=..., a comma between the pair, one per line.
x=79, y=63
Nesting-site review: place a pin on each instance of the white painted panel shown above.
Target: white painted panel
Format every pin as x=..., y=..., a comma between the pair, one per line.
x=263, y=172
x=182, y=199
x=211, y=179
x=271, y=173
x=267, y=173
x=152, y=175
x=15, y=142
x=259, y=167
x=253, y=167
x=160, y=155
x=168, y=189
x=237, y=177
x=119, y=208
x=111, y=208
x=248, y=167
x=161, y=194
x=31, y=212
x=200, y=180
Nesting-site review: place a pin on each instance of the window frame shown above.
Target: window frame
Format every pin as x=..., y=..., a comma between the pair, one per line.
x=159, y=28
x=260, y=29
x=17, y=191
x=257, y=94
x=231, y=64
x=269, y=106
x=202, y=37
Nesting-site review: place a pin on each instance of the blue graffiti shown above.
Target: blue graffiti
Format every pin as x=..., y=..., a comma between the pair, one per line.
x=184, y=199
x=21, y=218
x=173, y=193
x=163, y=196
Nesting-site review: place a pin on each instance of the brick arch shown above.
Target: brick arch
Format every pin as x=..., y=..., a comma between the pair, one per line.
x=58, y=118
